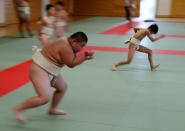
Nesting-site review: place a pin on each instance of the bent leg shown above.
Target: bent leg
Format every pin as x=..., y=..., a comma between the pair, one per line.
x=61, y=86
x=41, y=83
x=28, y=26
x=150, y=59
x=21, y=27
x=131, y=52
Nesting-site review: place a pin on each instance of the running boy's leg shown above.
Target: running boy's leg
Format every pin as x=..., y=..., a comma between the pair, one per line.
x=131, y=52
x=149, y=52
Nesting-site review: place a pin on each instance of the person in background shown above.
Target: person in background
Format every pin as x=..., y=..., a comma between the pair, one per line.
x=23, y=15
x=62, y=19
x=47, y=25
x=130, y=9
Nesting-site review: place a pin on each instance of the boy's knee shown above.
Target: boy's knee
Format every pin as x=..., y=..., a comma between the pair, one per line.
x=150, y=52
x=62, y=89
x=129, y=61
x=45, y=99
x=65, y=86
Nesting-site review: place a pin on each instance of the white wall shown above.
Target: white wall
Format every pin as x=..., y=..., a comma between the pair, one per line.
x=148, y=9
x=2, y=11
x=164, y=7
x=44, y=3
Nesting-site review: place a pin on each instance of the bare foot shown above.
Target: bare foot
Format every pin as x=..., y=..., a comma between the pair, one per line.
x=57, y=112
x=154, y=67
x=114, y=68
x=19, y=117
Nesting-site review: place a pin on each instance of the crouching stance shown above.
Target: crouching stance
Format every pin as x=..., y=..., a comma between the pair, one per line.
x=45, y=72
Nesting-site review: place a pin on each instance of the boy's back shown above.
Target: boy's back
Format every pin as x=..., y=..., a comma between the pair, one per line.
x=141, y=33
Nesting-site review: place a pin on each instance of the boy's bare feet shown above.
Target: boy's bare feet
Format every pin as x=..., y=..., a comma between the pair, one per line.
x=154, y=67
x=19, y=117
x=114, y=68
x=56, y=112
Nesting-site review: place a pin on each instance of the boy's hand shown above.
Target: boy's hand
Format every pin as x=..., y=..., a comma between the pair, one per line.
x=162, y=36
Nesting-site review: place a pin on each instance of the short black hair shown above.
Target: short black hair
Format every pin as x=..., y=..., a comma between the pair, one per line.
x=79, y=36
x=154, y=28
x=60, y=3
x=49, y=6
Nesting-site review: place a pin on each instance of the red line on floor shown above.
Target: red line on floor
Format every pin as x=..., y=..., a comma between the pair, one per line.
x=170, y=52
x=120, y=29
x=166, y=35
x=106, y=49
x=174, y=36
x=118, y=49
x=14, y=77
x=166, y=21
x=124, y=28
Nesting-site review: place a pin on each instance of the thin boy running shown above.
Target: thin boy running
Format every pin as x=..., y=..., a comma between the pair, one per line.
x=134, y=45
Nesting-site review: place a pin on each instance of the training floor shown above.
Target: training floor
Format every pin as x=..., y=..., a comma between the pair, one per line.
x=98, y=99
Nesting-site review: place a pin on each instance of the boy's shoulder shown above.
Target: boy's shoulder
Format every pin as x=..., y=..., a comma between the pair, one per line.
x=145, y=30
x=141, y=30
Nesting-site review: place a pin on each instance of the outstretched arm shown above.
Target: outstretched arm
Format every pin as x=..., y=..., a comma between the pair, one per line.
x=154, y=38
x=136, y=29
